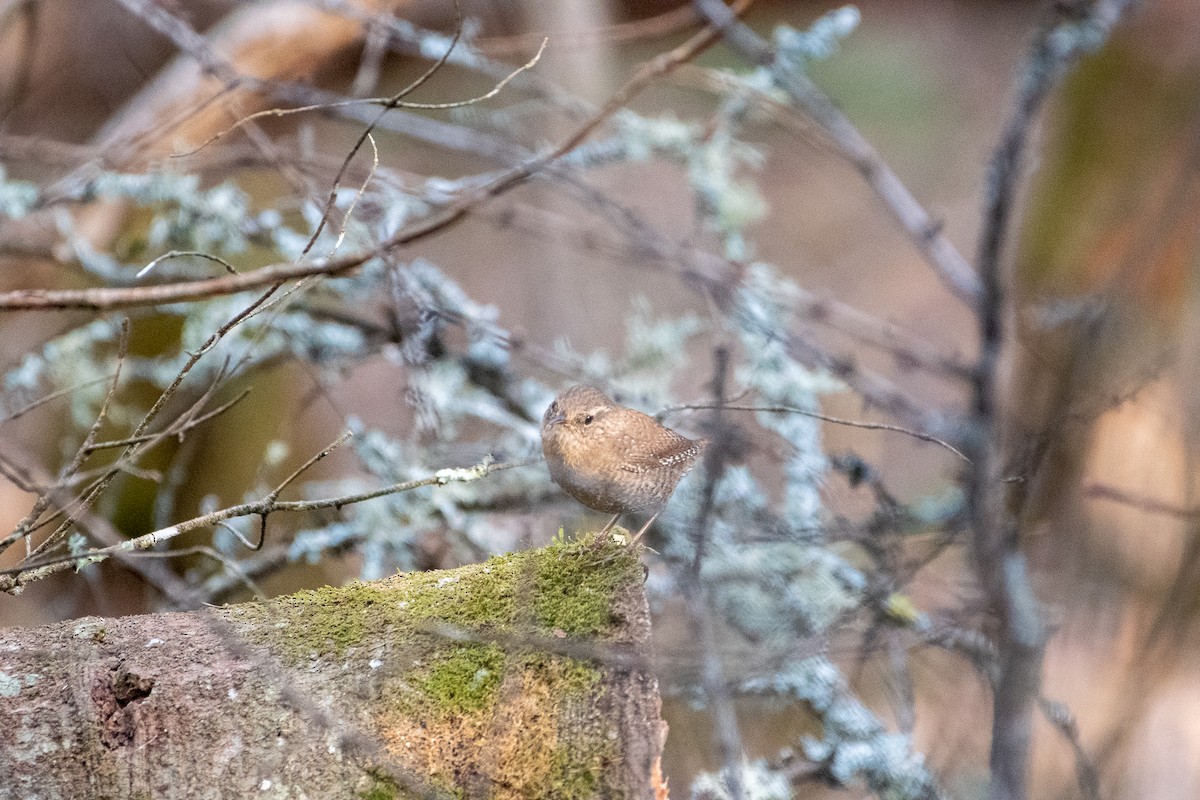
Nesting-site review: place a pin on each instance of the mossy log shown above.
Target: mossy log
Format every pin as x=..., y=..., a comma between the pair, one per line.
x=434, y=684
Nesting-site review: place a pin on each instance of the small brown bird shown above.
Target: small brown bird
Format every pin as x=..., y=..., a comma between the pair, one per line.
x=612, y=458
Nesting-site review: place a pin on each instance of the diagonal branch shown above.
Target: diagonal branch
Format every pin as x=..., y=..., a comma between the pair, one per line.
x=14, y=578
x=103, y=298
x=925, y=232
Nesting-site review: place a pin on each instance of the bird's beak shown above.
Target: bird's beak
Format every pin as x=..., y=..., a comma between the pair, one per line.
x=556, y=419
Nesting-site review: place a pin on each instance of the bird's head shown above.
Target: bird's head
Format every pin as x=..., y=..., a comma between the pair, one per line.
x=575, y=411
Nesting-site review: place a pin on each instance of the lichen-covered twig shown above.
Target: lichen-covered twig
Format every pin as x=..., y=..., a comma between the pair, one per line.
x=15, y=577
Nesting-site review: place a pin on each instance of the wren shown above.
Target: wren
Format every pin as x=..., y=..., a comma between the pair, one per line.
x=612, y=458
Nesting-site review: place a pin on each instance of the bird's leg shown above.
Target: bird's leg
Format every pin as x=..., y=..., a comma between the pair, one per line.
x=609, y=526
x=635, y=538
x=645, y=527
x=602, y=536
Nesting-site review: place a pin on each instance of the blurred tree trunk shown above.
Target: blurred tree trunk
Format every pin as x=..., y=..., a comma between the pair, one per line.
x=348, y=692
x=1106, y=264
x=1103, y=392
x=196, y=96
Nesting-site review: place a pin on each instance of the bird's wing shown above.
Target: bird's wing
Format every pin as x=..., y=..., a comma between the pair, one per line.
x=667, y=450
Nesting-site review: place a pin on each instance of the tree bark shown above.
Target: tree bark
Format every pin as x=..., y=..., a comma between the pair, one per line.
x=432, y=684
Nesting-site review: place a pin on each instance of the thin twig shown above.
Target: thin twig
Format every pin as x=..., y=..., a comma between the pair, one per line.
x=699, y=616
x=365, y=134
x=102, y=298
x=125, y=461
x=871, y=426
x=925, y=233
x=157, y=575
x=203, y=550
x=386, y=103
x=358, y=195
x=184, y=423
x=25, y=409
x=100, y=530
x=176, y=430
x=1103, y=491
x=15, y=577
x=45, y=499
x=300, y=470
x=181, y=253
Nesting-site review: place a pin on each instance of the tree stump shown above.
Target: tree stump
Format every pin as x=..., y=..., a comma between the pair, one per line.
x=516, y=678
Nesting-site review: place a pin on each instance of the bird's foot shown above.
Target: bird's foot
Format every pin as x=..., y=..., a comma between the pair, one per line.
x=609, y=535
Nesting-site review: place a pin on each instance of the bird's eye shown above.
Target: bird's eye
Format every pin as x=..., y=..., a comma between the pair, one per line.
x=588, y=419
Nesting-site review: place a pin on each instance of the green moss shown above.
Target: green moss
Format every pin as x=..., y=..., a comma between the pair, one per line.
x=322, y=620
x=500, y=687
x=456, y=686
x=583, y=773
x=478, y=696
x=464, y=678
x=565, y=588
x=566, y=677
x=576, y=584
x=568, y=781
x=476, y=596
x=381, y=791
x=384, y=787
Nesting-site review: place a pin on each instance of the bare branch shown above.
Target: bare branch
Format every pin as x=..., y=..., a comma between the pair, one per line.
x=1103, y=491
x=871, y=426
x=274, y=493
x=55, y=395
x=177, y=428
x=925, y=233
x=13, y=578
x=45, y=498
x=141, y=273
x=107, y=298
x=696, y=597
x=1002, y=568
x=1064, y=722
